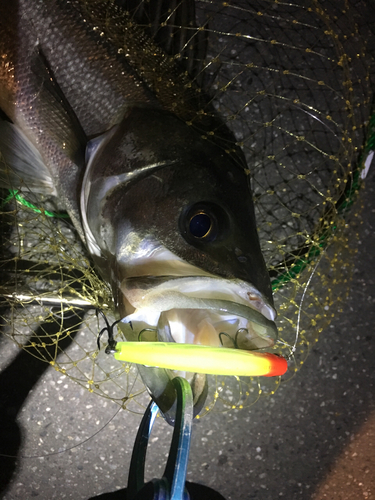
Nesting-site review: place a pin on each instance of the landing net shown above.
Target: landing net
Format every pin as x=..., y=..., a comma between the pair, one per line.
x=292, y=81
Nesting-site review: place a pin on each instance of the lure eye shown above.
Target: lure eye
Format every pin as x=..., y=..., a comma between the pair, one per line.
x=200, y=225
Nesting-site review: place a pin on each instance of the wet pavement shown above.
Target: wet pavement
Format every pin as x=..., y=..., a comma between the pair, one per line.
x=313, y=439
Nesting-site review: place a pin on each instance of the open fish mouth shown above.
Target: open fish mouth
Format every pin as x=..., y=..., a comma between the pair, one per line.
x=193, y=310
x=199, y=310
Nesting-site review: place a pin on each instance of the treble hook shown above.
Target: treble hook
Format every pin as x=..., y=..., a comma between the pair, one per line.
x=234, y=340
x=111, y=347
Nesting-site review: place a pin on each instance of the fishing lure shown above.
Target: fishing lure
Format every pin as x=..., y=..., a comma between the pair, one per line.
x=195, y=358
x=201, y=358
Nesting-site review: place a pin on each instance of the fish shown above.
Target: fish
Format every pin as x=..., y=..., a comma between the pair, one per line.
x=97, y=114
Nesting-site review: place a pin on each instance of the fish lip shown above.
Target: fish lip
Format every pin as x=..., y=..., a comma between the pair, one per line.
x=154, y=295
x=152, y=284
x=228, y=307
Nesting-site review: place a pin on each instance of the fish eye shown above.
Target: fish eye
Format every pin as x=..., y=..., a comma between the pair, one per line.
x=200, y=225
x=203, y=222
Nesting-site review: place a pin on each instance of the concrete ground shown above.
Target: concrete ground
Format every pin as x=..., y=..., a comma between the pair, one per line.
x=313, y=439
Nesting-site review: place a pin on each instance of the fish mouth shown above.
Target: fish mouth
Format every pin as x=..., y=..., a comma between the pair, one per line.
x=200, y=310
x=203, y=310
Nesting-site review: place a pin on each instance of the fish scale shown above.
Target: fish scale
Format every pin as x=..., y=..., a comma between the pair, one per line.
x=92, y=79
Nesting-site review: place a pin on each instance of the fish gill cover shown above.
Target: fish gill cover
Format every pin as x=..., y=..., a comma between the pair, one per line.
x=292, y=82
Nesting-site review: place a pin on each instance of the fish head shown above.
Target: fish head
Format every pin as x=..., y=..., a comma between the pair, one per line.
x=169, y=220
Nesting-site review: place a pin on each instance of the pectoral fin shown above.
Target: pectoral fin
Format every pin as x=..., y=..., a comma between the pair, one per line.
x=21, y=164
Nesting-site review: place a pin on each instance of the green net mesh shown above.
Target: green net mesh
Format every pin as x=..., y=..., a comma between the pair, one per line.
x=292, y=81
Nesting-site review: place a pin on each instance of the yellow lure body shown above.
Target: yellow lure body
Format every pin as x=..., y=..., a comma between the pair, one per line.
x=201, y=358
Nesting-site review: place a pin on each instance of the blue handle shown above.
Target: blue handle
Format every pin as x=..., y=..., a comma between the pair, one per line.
x=172, y=485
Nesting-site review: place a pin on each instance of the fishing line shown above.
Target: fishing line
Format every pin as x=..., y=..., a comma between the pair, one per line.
x=300, y=305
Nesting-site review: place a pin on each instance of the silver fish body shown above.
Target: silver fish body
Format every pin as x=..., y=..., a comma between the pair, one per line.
x=152, y=181
x=38, y=47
